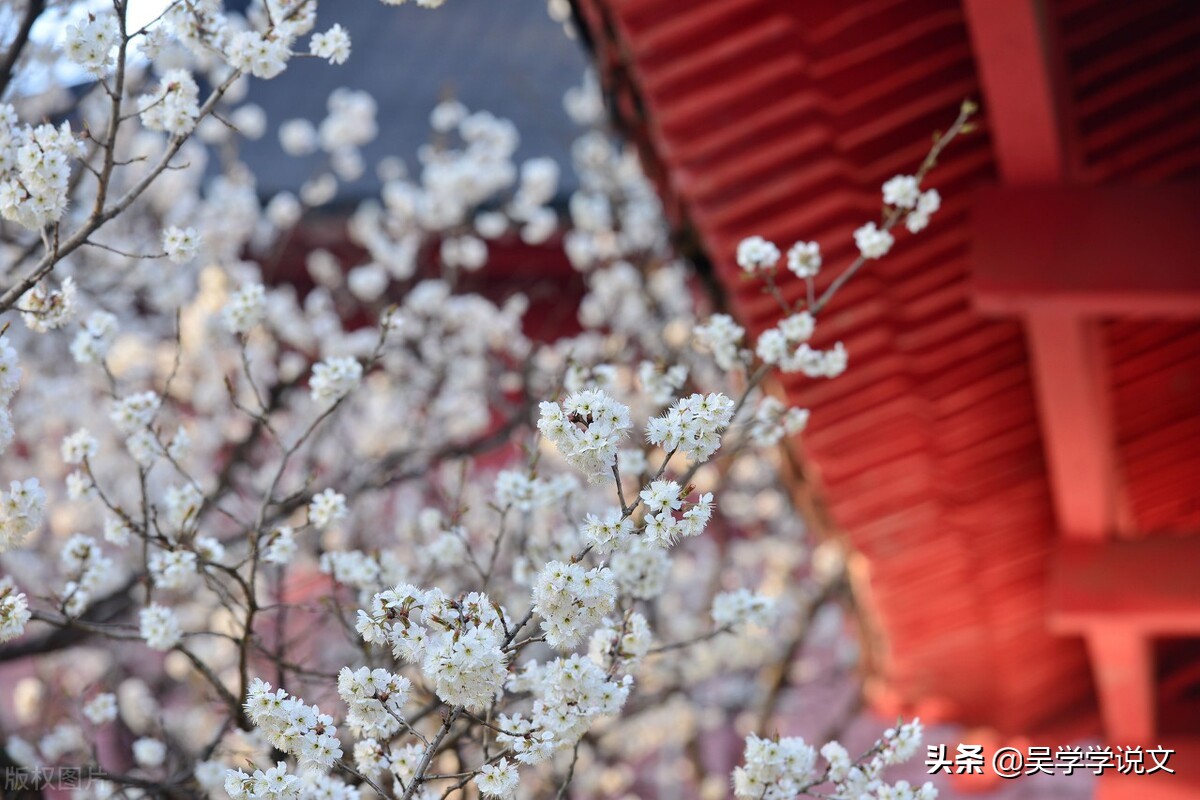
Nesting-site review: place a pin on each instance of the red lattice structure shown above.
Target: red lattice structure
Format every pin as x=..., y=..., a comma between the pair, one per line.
x=1015, y=448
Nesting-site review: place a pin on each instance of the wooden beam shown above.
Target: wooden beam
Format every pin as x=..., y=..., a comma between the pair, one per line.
x=1024, y=101
x=1119, y=250
x=1123, y=667
x=1148, y=584
x=1074, y=410
x=1022, y=89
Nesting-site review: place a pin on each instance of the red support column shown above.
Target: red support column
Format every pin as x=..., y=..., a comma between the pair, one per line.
x=1077, y=436
x=1024, y=106
x=1022, y=99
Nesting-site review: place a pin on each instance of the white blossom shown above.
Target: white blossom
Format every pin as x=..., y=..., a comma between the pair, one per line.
x=21, y=512
x=101, y=709
x=333, y=44
x=326, y=508
x=928, y=203
x=263, y=56
x=89, y=43
x=35, y=172
x=159, y=627
x=804, y=259
x=334, y=378
x=902, y=191
x=282, y=546
x=873, y=242
x=298, y=137
x=693, y=425
x=774, y=769
x=10, y=370
x=722, y=337
x=755, y=254
x=246, y=308
x=291, y=726
x=498, y=780
x=180, y=244
x=96, y=335
x=79, y=446
x=571, y=601
x=375, y=698
x=173, y=107
x=14, y=610
x=149, y=752
x=45, y=309
x=586, y=429
x=742, y=607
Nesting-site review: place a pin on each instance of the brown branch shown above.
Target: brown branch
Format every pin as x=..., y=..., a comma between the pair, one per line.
x=32, y=12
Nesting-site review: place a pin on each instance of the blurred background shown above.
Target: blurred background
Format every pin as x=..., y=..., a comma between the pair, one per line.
x=1013, y=455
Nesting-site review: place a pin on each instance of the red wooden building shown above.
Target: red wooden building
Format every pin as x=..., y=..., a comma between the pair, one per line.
x=1015, y=449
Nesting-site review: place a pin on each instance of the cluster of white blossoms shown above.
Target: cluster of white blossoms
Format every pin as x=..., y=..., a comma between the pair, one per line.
x=693, y=425
x=586, y=429
x=334, y=378
x=45, y=309
x=722, y=337
x=756, y=254
x=275, y=783
x=90, y=42
x=159, y=627
x=96, y=335
x=22, y=509
x=14, y=610
x=526, y=492
x=498, y=780
x=375, y=698
x=172, y=569
x=804, y=259
x=625, y=643
x=786, y=347
x=662, y=500
x=774, y=769
x=101, y=709
x=571, y=693
x=293, y=727
x=773, y=421
x=458, y=643
x=782, y=768
x=872, y=241
x=35, y=169
x=429, y=474
x=135, y=412
x=917, y=219
x=326, y=508
x=182, y=504
x=263, y=55
x=608, y=531
x=281, y=546
x=86, y=569
x=904, y=192
x=742, y=607
x=10, y=381
x=333, y=45
x=571, y=601
x=174, y=106
x=181, y=244
x=246, y=308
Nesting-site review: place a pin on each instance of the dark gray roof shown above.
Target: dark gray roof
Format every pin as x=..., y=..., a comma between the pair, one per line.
x=504, y=56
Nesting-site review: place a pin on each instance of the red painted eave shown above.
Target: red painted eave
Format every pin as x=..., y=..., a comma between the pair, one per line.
x=782, y=118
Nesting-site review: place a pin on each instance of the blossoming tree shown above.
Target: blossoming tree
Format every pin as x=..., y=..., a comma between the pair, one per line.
x=493, y=563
